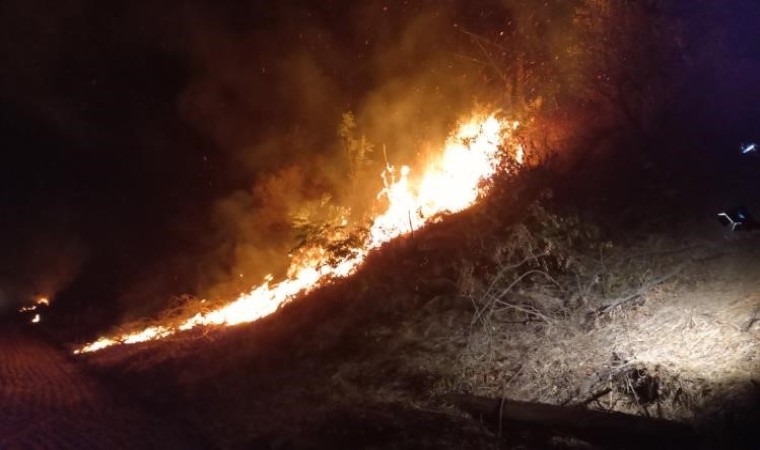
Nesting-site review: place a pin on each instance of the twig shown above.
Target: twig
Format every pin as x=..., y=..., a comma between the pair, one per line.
x=490, y=304
x=534, y=312
x=611, y=304
x=596, y=396
x=584, y=291
x=411, y=227
x=530, y=272
x=508, y=268
x=479, y=38
x=754, y=317
x=669, y=251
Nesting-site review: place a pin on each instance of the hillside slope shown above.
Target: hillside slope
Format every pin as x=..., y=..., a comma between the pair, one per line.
x=605, y=282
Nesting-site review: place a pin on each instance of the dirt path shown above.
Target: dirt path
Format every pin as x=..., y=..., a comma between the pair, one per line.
x=48, y=402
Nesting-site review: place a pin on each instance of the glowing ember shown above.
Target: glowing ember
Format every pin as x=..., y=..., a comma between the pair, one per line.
x=36, y=318
x=40, y=301
x=452, y=182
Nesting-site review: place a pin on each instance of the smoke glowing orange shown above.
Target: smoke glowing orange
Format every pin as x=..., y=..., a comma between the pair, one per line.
x=452, y=182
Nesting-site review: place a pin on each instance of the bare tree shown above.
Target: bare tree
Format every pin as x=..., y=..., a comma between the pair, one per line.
x=625, y=60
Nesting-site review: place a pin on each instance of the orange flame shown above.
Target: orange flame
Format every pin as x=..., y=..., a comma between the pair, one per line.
x=452, y=182
x=40, y=301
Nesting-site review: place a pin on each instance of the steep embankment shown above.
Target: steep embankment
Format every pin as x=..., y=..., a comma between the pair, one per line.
x=618, y=292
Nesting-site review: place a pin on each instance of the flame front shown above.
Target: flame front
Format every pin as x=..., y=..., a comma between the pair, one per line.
x=452, y=182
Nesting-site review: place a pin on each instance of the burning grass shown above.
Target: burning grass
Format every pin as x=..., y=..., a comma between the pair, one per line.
x=482, y=146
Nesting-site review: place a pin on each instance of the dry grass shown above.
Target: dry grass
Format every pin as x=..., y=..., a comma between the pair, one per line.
x=528, y=311
x=620, y=336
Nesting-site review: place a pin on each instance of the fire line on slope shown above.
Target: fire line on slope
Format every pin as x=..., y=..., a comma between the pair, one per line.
x=452, y=182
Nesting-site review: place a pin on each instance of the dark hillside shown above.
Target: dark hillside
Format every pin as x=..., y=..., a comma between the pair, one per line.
x=161, y=159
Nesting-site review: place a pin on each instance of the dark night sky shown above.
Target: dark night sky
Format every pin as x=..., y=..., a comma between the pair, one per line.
x=123, y=127
x=99, y=172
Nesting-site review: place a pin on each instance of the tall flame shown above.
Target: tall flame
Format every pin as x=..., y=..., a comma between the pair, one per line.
x=452, y=182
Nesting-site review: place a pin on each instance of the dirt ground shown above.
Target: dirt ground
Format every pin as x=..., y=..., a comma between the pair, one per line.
x=47, y=401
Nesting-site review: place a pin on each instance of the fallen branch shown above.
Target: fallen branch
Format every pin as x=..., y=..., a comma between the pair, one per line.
x=596, y=396
x=609, y=429
x=611, y=304
x=754, y=317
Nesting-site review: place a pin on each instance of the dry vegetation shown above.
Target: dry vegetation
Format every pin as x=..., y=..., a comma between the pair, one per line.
x=514, y=298
x=590, y=280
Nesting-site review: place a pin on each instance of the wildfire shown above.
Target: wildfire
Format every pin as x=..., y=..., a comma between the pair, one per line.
x=38, y=302
x=452, y=182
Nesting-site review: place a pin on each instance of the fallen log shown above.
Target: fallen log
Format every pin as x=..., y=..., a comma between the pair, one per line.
x=608, y=429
